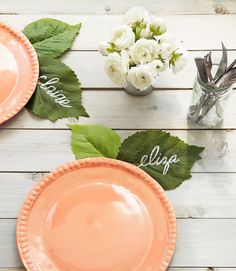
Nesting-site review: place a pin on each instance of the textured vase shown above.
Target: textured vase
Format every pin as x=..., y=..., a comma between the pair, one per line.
x=130, y=89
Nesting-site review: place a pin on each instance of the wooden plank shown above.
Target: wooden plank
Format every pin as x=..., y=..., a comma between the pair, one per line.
x=202, y=196
x=14, y=188
x=89, y=66
x=201, y=242
x=164, y=109
x=114, y=7
x=9, y=255
x=206, y=196
x=45, y=150
x=90, y=69
x=197, y=32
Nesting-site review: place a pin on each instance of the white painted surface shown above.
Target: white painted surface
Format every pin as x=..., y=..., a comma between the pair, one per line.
x=38, y=150
x=204, y=196
x=114, y=7
x=164, y=109
x=209, y=197
x=201, y=242
x=197, y=32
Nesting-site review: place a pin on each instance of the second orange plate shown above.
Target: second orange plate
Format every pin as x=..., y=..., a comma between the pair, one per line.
x=19, y=70
x=96, y=214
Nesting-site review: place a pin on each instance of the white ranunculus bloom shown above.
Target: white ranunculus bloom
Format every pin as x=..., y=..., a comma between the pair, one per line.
x=157, y=25
x=116, y=67
x=104, y=48
x=165, y=38
x=166, y=50
x=178, y=60
x=123, y=37
x=145, y=32
x=157, y=66
x=141, y=77
x=134, y=15
x=144, y=51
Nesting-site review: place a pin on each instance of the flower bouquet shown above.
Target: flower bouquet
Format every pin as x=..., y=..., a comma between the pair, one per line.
x=139, y=50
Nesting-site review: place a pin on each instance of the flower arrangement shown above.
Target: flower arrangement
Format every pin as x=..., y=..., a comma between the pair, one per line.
x=140, y=49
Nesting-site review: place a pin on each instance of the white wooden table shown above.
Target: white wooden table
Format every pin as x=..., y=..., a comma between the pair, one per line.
x=205, y=206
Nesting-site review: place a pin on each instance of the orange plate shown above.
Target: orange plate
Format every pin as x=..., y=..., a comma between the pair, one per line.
x=19, y=70
x=96, y=214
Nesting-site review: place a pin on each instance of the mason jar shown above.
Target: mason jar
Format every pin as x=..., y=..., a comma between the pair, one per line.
x=208, y=103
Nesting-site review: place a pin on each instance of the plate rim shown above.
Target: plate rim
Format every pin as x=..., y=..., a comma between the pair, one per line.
x=21, y=228
x=35, y=70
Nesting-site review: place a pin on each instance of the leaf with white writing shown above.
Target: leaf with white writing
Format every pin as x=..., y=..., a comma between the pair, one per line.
x=166, y=158
x=51, y=37
x=58, y=94
x=94, y=141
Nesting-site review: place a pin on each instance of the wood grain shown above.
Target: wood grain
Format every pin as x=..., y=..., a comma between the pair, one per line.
x=206, y=242
x=202, y=196
x=37, y=150
x=89, y=65
x=200, y=31
x=201, y=242
x=163, y=109
x=114, y=7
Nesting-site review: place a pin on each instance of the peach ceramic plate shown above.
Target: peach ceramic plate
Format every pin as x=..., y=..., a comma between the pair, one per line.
x=96, y=214
x=19, y=71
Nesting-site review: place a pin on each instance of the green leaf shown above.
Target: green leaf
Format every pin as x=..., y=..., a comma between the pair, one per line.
x=94, y=141
x=51, y=37
x=142, y=144
x=54, y=100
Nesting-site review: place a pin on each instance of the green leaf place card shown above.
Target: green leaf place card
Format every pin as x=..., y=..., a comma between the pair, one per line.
x=58, y=93
x=164, y=157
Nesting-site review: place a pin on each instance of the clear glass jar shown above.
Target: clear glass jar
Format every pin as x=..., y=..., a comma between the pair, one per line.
x=208, y=103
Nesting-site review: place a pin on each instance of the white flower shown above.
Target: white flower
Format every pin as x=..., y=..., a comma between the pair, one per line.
x=144, y=51
x=104, y=48
x=165, y=38
x=134, y=15
x=116, y=67
x=157, y=66
x=145, y=32
x=123, y=37
x=157, y=25
x=178, y=59
x=166, y=50
x=141, y=77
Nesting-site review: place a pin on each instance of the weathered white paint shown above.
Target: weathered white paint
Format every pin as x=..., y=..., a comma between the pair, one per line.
x=197, y=32
x=162, y=109
x=114, y=7
x=211, y=195
x=201, y=242
x=37, y=150
x=89, y=67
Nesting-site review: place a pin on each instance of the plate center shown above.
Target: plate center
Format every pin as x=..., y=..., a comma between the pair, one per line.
x=8, y=72
x=105, y=226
